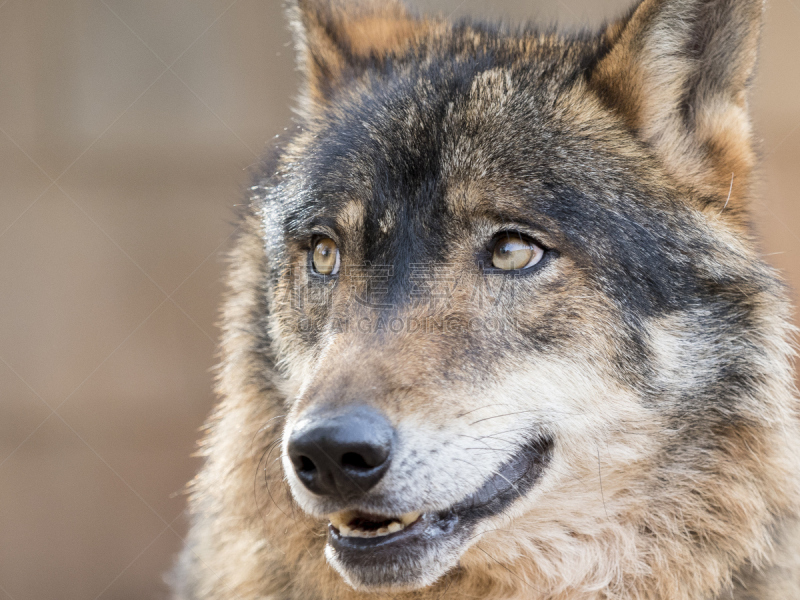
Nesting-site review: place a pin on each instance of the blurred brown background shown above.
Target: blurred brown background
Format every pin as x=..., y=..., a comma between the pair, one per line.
x=126, y=131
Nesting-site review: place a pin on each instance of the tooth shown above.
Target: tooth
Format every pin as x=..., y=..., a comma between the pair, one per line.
x=409, y=518
x=393, y=527
x=341, y=519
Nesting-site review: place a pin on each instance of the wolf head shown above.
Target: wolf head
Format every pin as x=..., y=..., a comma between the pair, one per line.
x=497, y=321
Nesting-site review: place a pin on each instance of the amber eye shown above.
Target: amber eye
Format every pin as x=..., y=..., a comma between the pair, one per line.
x=513, y=251
x=326, y=257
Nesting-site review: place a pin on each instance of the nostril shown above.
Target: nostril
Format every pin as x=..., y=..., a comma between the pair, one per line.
x=355, y=461
x=307, y=465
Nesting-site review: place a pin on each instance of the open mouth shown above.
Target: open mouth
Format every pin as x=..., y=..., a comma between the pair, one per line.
x=414, y=549
x=351, y=523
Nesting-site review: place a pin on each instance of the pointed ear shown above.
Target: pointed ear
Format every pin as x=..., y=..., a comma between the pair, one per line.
x=339, y=39
x=678, y=72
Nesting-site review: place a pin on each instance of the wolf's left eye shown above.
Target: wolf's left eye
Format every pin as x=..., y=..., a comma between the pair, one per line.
x=325, y=257
x=513, y=251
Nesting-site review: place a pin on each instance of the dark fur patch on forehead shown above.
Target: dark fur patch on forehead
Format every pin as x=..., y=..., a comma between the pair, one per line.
x=389, y=132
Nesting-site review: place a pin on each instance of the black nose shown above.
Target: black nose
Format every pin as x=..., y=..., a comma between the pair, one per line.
x=342, y=452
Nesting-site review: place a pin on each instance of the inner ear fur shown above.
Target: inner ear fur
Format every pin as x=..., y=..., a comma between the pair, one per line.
x=340, y=39
x=678, y=71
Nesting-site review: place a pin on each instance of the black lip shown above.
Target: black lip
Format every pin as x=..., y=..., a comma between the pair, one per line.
x=452, y=526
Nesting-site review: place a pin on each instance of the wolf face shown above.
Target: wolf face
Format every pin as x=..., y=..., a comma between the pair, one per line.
x=497, y=307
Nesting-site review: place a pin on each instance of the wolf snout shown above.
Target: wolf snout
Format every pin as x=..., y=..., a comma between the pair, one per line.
x=342, y=452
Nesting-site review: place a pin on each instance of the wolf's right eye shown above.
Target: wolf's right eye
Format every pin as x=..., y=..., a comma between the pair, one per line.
x=325, y=258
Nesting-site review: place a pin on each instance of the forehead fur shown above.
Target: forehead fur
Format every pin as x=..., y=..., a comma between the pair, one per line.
x=675, y=73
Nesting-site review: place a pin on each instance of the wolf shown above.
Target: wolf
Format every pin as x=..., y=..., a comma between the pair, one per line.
x=497, y=324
